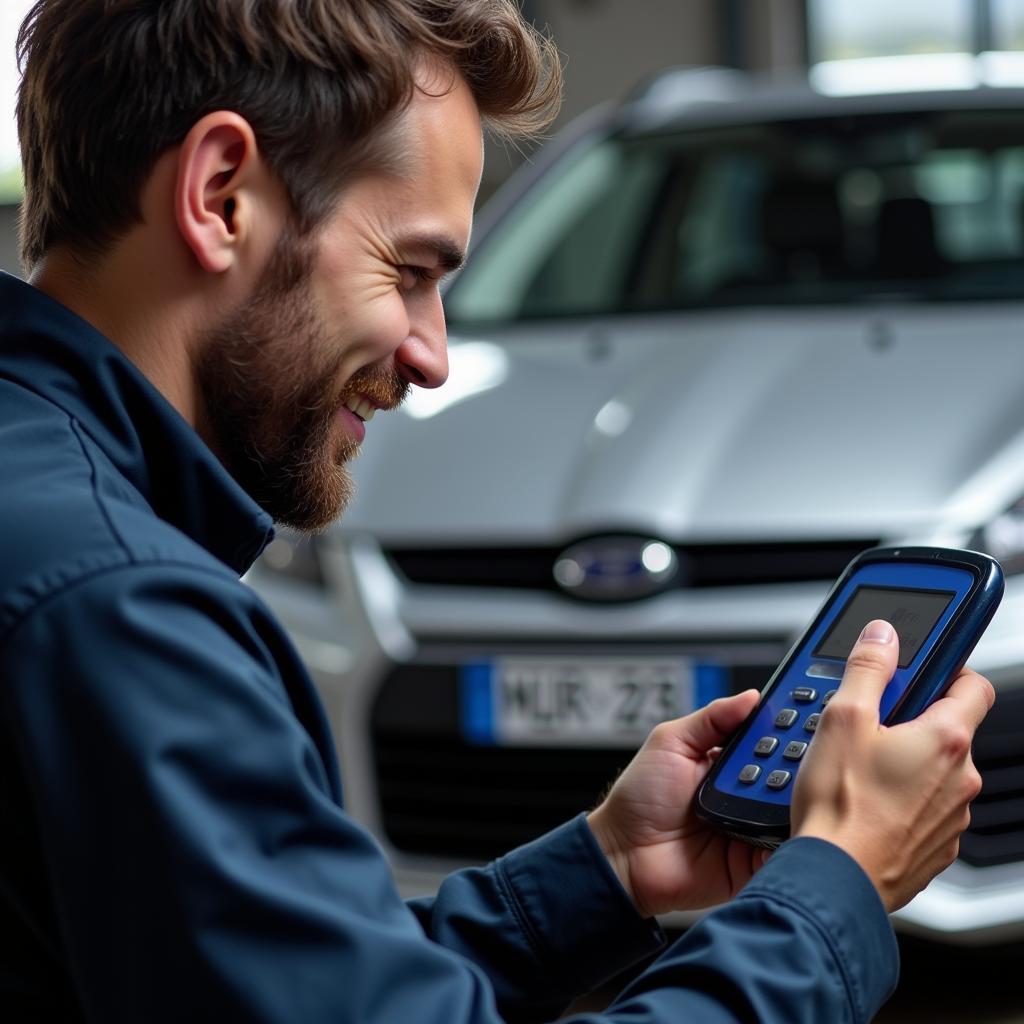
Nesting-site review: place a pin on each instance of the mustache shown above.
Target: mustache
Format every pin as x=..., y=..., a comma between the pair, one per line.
x=385, y=388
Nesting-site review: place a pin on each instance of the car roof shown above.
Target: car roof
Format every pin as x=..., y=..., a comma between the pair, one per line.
x=705, y=97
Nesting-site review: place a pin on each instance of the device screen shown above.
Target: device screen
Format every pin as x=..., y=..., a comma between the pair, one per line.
x=912, y=612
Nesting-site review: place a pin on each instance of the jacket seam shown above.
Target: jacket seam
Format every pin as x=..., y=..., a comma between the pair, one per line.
x=509, y=897
x=101, y=505
x=849, y=985
x=132, y=563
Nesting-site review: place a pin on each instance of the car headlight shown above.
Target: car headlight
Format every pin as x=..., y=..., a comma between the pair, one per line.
x=1003, y=538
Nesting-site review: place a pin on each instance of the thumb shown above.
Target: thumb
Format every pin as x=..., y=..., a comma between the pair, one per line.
x=871, y=665
x=713, y=724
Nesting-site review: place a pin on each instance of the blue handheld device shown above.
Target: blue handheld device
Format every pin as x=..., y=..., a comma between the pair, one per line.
x=939, y=599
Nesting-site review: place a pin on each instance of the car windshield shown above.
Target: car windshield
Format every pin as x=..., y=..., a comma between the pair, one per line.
x=923, y=206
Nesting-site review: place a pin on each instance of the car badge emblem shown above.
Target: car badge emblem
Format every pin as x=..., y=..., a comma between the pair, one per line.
x=616, y=568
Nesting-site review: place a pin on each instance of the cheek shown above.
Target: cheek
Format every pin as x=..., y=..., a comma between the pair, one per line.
x=368, y=309
x=380, y=323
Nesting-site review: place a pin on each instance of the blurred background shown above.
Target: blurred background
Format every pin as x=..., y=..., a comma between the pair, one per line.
x=612, y=45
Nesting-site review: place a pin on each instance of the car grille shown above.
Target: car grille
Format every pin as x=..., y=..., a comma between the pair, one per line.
x=477, y=803
x=442, y=796
x=996, y=835
x=708, y=565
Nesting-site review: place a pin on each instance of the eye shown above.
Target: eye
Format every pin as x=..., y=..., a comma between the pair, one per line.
x=410, y=276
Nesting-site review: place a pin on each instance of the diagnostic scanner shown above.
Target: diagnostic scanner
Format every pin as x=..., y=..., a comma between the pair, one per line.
x=938, y=599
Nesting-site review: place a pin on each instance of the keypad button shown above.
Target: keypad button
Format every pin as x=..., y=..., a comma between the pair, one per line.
x=812, y=722
x=765, y=746
x=828, y=696
x=750, y=773
x=785, y=718
x=805, y=694
x=778, y=779
x=794, y=750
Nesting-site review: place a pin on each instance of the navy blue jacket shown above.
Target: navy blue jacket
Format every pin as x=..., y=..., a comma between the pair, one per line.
x=172, y=840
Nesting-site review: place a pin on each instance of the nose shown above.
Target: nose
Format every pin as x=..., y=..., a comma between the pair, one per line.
x=422, y=359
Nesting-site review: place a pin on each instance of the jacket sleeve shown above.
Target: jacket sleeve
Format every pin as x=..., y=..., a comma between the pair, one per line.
x=547, y=922
x=806, y=941
x=201, y=868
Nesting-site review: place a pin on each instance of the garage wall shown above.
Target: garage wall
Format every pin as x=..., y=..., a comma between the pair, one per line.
x=611, y=44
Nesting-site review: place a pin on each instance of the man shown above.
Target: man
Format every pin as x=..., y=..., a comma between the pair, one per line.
x=237, y=213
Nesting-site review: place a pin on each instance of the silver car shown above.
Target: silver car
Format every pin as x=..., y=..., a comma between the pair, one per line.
x=715, y=341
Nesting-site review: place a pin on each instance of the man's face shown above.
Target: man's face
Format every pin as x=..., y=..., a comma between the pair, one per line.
x=340, y=324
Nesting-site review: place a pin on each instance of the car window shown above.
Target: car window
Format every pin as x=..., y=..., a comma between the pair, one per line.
x=917, y=206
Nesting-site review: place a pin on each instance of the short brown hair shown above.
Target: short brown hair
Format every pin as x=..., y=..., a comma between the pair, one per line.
x=109, y=85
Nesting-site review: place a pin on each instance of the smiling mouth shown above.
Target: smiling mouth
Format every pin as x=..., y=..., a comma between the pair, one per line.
x=360, y=407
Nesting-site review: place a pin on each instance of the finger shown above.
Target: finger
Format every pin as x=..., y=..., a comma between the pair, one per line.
x=712, y=724
x=870, y=666
x=970, y=698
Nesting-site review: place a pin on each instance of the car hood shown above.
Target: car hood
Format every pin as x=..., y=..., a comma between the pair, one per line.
x=764, y=424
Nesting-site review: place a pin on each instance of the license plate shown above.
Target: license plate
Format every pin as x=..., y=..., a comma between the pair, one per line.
x=551, y=701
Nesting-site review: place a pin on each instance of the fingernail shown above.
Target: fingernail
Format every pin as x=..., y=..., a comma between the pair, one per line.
x=878, y=632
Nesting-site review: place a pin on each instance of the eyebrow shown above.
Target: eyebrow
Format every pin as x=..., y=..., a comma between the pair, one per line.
x=450, y=255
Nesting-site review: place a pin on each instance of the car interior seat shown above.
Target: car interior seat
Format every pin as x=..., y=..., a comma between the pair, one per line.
x=906, y=243
x=802, y=231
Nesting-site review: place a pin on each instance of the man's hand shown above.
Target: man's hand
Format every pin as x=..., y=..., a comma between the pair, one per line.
x=664, y=856
x=896, y=799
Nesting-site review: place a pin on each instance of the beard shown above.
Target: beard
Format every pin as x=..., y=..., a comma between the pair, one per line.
x=269, y=379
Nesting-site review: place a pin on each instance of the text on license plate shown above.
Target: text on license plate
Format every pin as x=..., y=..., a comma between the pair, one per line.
x=597, y=701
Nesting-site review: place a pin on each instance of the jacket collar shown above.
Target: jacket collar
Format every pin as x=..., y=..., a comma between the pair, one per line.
x=54, y=352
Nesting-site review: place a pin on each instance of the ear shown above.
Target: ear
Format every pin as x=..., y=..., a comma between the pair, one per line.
x=218, y=165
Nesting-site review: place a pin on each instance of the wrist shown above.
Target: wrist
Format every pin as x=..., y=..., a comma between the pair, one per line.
x=858, y=849
x=613, y=849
